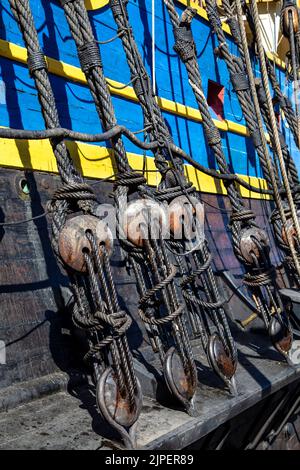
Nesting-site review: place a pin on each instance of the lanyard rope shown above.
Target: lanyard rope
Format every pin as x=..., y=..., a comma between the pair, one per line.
x=84, y=246
x=207, y=316
x=253, y=255
x=160, y=309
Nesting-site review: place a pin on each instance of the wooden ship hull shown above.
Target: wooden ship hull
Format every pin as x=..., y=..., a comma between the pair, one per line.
x=47, y=397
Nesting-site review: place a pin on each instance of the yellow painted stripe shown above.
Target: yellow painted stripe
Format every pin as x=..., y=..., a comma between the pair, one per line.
x=97, y=162
x=19, y=54
x=97, y=4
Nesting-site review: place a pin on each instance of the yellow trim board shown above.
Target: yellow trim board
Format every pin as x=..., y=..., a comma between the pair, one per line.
x=19, y=54
x=95, y=4
x=98, y=162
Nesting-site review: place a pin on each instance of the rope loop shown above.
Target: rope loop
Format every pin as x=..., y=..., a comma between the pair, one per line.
x=161, y=321
x=74, y=191
x=260, y=279
x=130, y=179
x=242, y=216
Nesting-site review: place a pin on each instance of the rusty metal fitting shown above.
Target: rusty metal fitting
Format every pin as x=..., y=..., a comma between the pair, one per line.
x=290, y=11
x=144, y=219
x=182, y=211
x=73, y=242
x=250, y=240
x=281, y=335
x=220, y=358
x=289, y=231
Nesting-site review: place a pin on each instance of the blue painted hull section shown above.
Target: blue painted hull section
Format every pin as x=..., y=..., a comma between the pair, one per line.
x=19, y=106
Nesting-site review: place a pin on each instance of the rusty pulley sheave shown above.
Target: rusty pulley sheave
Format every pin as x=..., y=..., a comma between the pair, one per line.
x=186, y=218
x=252, y=242
x=186, y=242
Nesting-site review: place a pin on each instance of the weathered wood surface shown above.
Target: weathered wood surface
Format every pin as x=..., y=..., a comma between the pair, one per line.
x=34, y=322
x=71, y=421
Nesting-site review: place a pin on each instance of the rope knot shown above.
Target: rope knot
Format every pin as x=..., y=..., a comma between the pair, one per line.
x=242, y=216
x=81, y=193
x=184, y=43
x=36, y=61
x=119, y=321
x=89, y=56
x=130, y=178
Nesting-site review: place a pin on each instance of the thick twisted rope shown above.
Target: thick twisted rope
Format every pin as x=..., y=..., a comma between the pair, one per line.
x=250, y=110
x=283, y=100
x=174, y=182
x=240, y=41
x=75, y=190
x=276, y=137
x=89, y=56
x=241, y=84
x=38, y=70
x=212, y=133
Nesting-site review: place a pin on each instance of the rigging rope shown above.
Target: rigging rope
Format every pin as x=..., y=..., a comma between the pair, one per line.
x=290, y=25
x=174, y=184
x=275, y=133
x=259, y=269
x=78, y=239
x=159, y=299
x=252, y=115
x=260, y=105
x=282, y=99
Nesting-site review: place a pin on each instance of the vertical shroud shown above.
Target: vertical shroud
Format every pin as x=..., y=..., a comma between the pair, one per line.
x=206, y=313
x=160, y=308
x=250, y=243
x=83, y=244
x=254, y=104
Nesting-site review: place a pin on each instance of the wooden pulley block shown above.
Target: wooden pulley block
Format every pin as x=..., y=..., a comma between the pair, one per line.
x=73, y=240
x=290, y=12
x=182, y=211
x=250, y=239
x=289, y=231
x=143, y=219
